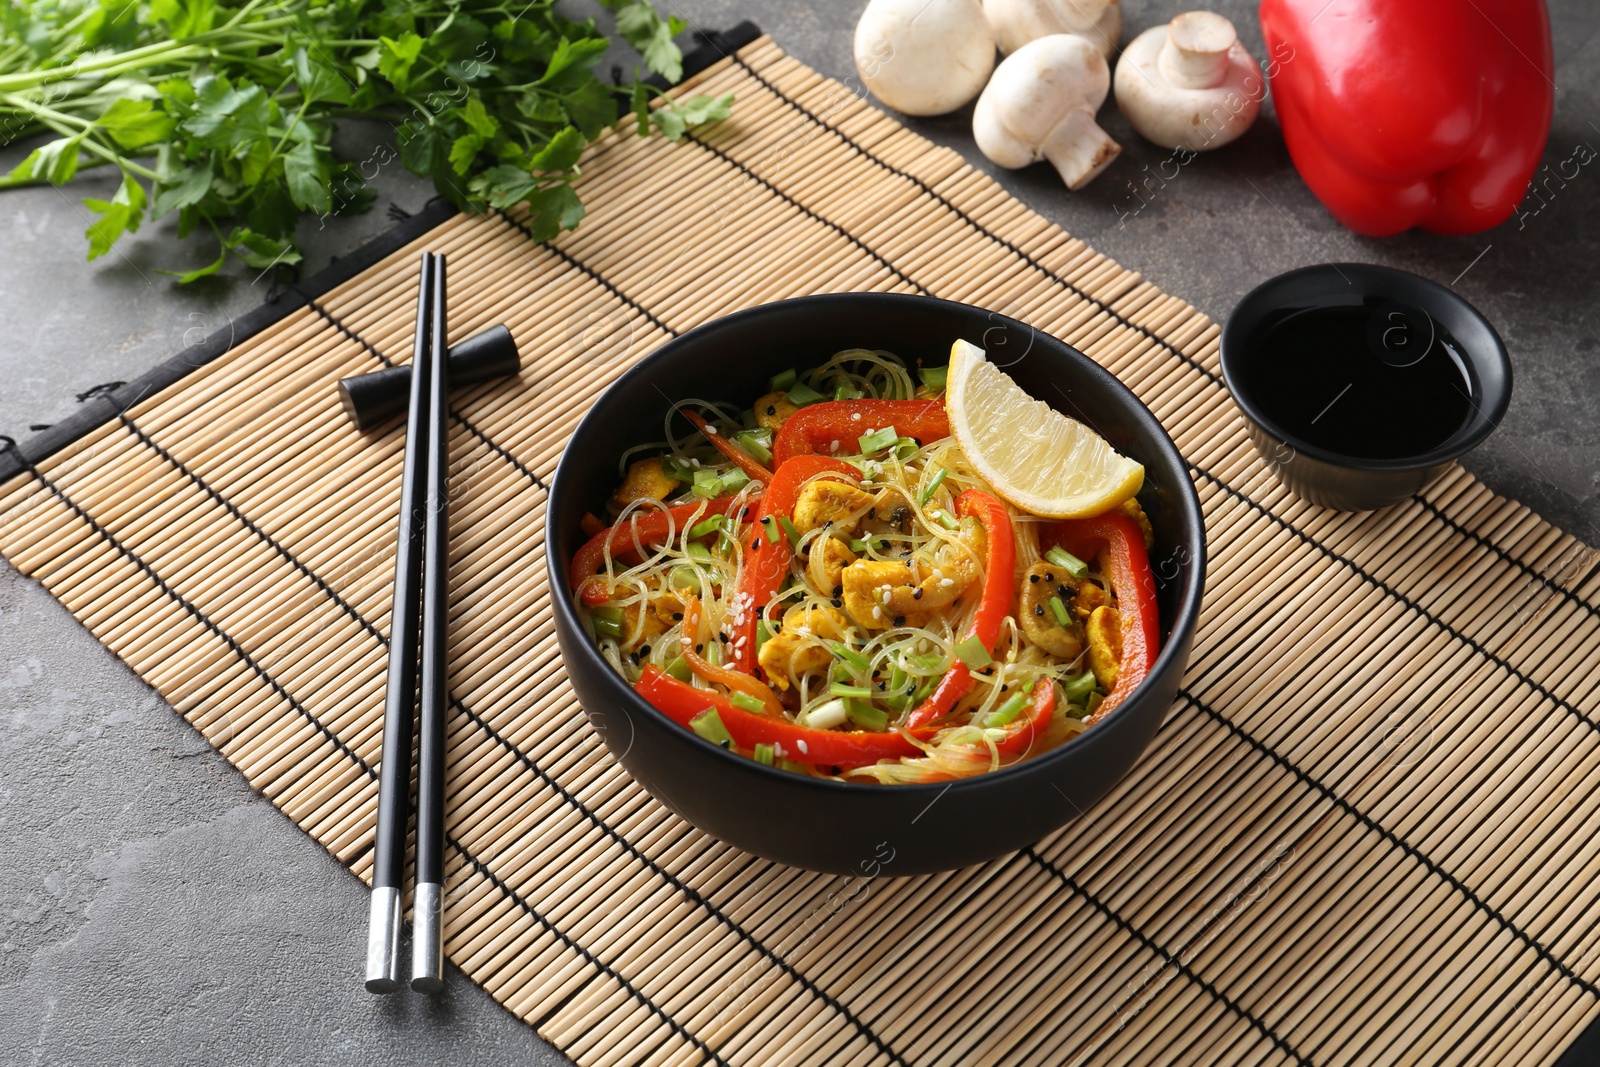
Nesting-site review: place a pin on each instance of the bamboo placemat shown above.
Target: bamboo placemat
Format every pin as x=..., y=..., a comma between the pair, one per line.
x=1365, y=833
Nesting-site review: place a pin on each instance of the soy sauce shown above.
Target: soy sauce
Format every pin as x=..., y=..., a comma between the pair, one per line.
x=1378, y=380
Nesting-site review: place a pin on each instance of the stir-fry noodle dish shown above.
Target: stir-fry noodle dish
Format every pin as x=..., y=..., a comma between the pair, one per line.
x=831, y=581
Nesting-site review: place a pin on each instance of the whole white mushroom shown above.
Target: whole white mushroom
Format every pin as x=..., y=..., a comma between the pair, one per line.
x=1189, y=84
x=1016, y=22
x=1040, y=104
x=924, y=57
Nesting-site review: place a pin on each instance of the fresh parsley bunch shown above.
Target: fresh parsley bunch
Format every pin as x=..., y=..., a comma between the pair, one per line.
x=223, y=110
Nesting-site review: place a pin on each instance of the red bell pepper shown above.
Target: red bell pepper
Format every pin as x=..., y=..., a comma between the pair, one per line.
x=766, y=562
x=1127, y=566
x=817, y=427
x=741, y=459
x=999, y=576
x=681, y=702
x=1402, y=113
x=644, y=530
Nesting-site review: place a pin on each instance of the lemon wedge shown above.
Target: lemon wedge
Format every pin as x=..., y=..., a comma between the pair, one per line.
x=1034, y=456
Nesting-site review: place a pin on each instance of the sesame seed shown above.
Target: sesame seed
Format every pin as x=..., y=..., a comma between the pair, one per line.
x=855, y=416
x=899, y=620
x=1034, y=578
x=1049, y=577
x=947, y=582
x=801, y=745
x=711, y=431
x=772, y=409
x=917, y=595
x=1038, y=609
x=877, y=612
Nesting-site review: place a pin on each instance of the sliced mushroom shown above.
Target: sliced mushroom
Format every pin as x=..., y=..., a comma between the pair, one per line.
x=924, y=57
x=1189, y=84
x=1040, y=105
x=1016, y=22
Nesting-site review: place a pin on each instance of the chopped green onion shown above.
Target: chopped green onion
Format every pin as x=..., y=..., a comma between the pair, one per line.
x=932, y=487
x=607, y=619
x=746, y=701
x=714, y=653
x=770, y=525
x=905, y=448
x=1007, y=711
x=934, y=377
x=757, y=443
x=1077, y=689
x=865, y=715
x=606, y=626
x=878, y=439
x=684, y=577
x=840, y=690
x=790, y=532
x=763, y=634
x=850, y=655
x=707, y=484
x=763, y=754
x=711, y=525
x=1067, y=562
x=898, y=679
x=973, y=654
x=679, y=669
x=1094, y=701
x=708, y=724
x=732, y=481
x=791, y=765
x=697, y=550
x=782, y=381
x=897, y=702
x=945, y=519
x=826, y=716
x=926, y=662
x=861, y=544
x=846, y=392
x=925, y=688
x=802, y=394
x=677, y=469
x=1059, y=610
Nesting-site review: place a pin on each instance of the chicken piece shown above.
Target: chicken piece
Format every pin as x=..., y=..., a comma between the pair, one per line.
x=826, y=501
x=797, y=648
x=877, y=592
x=1105, y=646
x=1039, y=623
x=636, y=634
x=828, y=561
x=773, y=410
x=1130, y=507
x=646, y=479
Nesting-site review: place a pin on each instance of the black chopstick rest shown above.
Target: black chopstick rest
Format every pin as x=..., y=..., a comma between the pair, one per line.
x=370, y=399
x=394, y=769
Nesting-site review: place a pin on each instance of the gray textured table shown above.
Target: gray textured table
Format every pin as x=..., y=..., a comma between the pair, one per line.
x=153, y=910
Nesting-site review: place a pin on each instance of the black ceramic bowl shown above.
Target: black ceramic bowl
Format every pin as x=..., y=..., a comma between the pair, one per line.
x=1347, y=482
x=867, y=828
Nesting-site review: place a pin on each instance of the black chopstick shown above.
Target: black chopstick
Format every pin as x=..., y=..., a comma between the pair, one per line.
x=394, y=771
x=427, y=925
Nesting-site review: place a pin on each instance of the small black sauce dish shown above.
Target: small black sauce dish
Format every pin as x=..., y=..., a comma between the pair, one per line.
x=868, y=829
x=1360, y=383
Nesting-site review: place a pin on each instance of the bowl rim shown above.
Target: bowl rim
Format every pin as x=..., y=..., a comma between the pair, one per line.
x=1184, y=623
x=1453, y=448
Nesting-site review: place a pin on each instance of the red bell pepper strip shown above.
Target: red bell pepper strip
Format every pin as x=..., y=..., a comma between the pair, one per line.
x=1430, y=113
x=741, y=459
x=642, y=531
x=1127, y=565
x=815, y=428
x=766, y=562
x=1022, y=736
x=738, y=681
x=999, y=577
x=681, y=702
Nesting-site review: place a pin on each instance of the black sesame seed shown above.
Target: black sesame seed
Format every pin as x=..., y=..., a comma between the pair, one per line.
x=644, y=650
x=872, y=513
x=1038, y=609
x=677, y=616
x=725, y=743
x=1034, y=578
x=917, y=595
x=1049, y=577
x=1064, y=591
x=838, y=590
x=724, y=638
x=699, y=648
x=836, y=602
x=899, y=620
x=772, y=409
